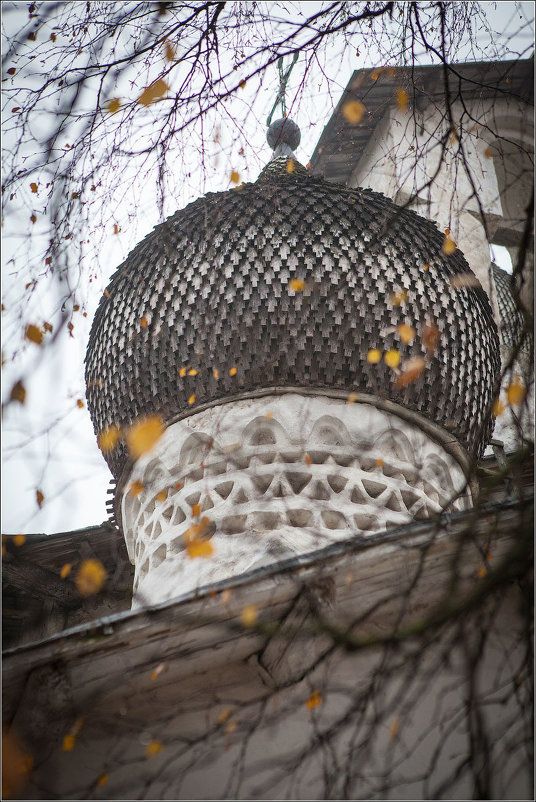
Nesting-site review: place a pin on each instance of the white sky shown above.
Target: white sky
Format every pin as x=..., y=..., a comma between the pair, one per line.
x=49, y=443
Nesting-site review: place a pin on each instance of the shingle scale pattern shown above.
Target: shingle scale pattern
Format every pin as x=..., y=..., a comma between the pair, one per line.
x=208, y=290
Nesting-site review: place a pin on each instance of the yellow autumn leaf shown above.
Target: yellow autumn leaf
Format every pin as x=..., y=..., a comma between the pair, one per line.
x=153, y=748
x=192, y=372
x=392, y=358
x=191, y=400
x=290, y=166
x=196, y=510
x=515, y=393
x=39, y=497
x=143, y=435
x=488, y=153
x=449, y=246
x=33, y=187
x=19, y=540
x=307, y=459
x=182, y=372
x=233, y=371
x=352, y=398
x=224, y=715
x=199, y=548
x=108, y=438
x=399, y=298
x=18, y=393
x=406, y=332
x=162, y=496
x=249, y=616
x=68, y=743
x=314, y=700
x=374, y=356
x=153, y=92
x=135, y=488
x=402, y=99
x=91, y=577
x=296, y=285
x=66, y=570
x=197, y=530
x=379, y=462
x=116, y=229
x=102, y=780
x=353, y=112
x=234, y=177
x=216, y=373
x=410, y=371
x=34, y=334
x=143, y=322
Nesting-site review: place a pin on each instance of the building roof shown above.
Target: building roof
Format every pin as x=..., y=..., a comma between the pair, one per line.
x=203, y=309
x=342, y=144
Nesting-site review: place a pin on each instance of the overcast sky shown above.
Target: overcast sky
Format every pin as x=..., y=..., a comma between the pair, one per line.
x=49, y=443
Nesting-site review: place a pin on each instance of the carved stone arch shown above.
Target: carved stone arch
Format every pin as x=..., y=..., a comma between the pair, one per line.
x=195, y=448
x=263, y=431
x=331, y=431
x=394, y=443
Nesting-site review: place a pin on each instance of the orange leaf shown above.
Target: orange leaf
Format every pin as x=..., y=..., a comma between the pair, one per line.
x=162, y=496
x=249, y=615
x=113, y=105
x=39, y=497
x=33, y=187
x=153, y=748
x=192, y=372
x=402, y=99
x=235, y=177
x=410, y=372
x=196, y=510
x=233, y=371
x=379, y=462
x=18, y=393
x=393, y=730
x=430, y=337
x=116, y=229
x=135, y=488
x=314, y=700
x=103, y=779
x=108, y=438
x=191, y=400
x=66, y=570
x=406, y=333
x=19, y=540
x=392, y=358
x=449, y=246
x=153, y=92
x=143, y=435
x=515, y=393
x=224, y=715
x=374, y=356
x=90, y=578
x=199, y=548
x=34, y=334
x=307, y=460
x=68, y=743
x=143, y=322
x=216, y=373
x=353, y=112
x=488, y=153
x=290, y=166
x=80, y=404
x=498, y=408
x=296, y=285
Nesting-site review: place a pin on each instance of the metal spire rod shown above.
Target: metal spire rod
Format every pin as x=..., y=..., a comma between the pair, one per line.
x=283, y=79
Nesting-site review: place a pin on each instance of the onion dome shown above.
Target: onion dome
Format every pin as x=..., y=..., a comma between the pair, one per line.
x=510, y=317
x=286, y=282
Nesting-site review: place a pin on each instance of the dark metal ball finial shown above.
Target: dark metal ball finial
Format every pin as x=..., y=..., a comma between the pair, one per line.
x=283, y=132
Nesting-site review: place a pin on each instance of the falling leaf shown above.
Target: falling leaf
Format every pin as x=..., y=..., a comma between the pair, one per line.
x=182, y=372
x=393, y=730
x=249, y=616
x=314, y=700
x=192, y=372
x=233, y=371
x=39, y=497
x=464, y=280
x=33, y=218
x=191, y=400
x=68, y=743
x=153, y=748
x=488, y=153
x=426, y=267
x=135, y=488
x=296, y=285
x=75, y=195
x=216, y=373
x=153, y=92
x=143, y=322
x=157, y=671
x=353, y=112
x=402, y=99
x=11, y=71
x=34, y=334
x=374, y=356
x=352, y=398
x=430, y=337
x=196, y=510
x=498, y=408
x=169, y=52
x=102, y=780
x=307, y=459
x=18, y=392
x=399, y=298
x=199, y=548
x=116, y=229
x=379, y=462
x=143, y=435
x=80, y=404
x=392, y=358
x=32, y=37
x=410, y=371
x=19, y=540
x=447, y=231
x=290, y=166
x=242, y=84
x=108, y=438
x=449, y=246
x=90, y=578
x=113, y=105
x=235, y=177
x=406, y=333
x=33, y=187
x=66, y=570
x=224, y=715
x=162, y=496
x=515, y=393
x=52, y=37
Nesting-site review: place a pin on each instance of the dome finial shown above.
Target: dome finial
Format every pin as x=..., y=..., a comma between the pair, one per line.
x=283, y=137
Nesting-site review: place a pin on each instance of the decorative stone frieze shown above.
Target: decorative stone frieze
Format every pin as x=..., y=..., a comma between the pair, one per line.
x=266, y=478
